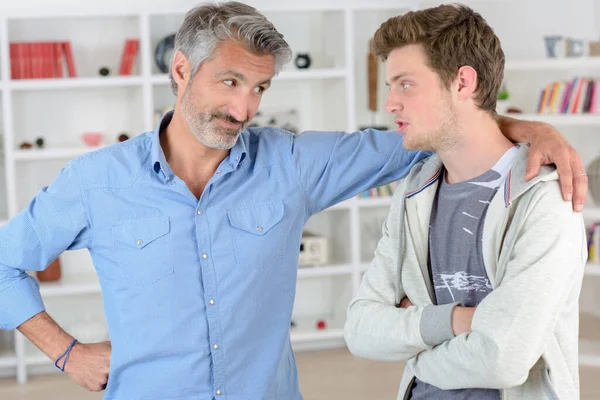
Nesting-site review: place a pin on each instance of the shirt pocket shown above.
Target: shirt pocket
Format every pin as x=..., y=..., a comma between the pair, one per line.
x=143, y=249
x=258, y=234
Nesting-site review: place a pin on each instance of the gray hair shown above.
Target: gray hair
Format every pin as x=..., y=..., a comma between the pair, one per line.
x=206, y=26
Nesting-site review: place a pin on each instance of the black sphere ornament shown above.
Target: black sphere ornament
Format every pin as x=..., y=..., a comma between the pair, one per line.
x=104, y=71
x=302, y=60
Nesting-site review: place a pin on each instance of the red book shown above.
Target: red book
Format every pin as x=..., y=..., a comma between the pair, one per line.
x=124, y=53
x=27, y=61
x=131, y=55
x=48, y=60
x=14, y=71
x=58, y=67
x=70, y=61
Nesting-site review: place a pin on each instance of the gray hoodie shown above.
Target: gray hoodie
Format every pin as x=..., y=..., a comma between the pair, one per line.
x=524, y=338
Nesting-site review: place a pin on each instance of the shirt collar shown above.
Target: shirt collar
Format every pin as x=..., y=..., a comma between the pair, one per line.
x=159, y=161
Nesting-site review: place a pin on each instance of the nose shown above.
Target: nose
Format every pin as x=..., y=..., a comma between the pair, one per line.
x=239, y=107
x=393, y=104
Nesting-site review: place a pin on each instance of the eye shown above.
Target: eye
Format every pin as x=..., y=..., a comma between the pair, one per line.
x=259, y=89
x=405, y=85
x=229, y=82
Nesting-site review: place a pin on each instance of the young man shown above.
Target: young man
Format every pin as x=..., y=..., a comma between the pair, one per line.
x=477, y=276
x=195, y=228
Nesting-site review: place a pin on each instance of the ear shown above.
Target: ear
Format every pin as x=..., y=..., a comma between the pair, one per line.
x=467, y=82
x=181, y=69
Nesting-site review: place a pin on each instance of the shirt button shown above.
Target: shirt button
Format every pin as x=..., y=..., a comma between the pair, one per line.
x=140, y=241
x=216, y=347
x=219, y=392
x=259, y=228
x=218, y=172
x=212, y=302
x=199, y=212
x=204, y=255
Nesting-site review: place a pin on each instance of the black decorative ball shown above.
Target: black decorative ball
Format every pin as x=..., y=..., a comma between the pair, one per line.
x=302, y=60
x=104, y=71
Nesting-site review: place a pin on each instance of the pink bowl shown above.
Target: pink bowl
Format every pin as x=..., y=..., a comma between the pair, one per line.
x=92, y=138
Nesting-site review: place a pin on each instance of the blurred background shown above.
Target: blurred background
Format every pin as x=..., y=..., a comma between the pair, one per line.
x=77, y=76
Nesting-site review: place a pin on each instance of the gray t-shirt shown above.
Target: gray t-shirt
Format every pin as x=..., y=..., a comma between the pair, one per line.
x=456, y=260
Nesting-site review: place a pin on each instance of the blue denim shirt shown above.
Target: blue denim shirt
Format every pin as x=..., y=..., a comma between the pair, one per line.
x=198, y=294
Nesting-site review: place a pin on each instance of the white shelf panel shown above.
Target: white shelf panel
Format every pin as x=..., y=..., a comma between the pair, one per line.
x=330, y=270
x=384, y=201
x=8, y=359
x=75, y=83
x=591, y=213
x=560, y=119
x=553, y=64
x=40, y=359
x=316, y=335
x=2, y=223
x=592, y=269
x=53, y=153
x=313, y=74
x=589, y=353
x=70, y=286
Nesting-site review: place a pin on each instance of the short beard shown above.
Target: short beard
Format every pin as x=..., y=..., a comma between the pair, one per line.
x=444, y=137
x=205, y=129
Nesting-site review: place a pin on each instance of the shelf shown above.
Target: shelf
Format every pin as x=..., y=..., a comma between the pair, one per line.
x=3, y=222
x=592, y=269
x=306, y=330
x=330, y=270
x=316, y=335
x=40, y=359
x=553, y=64
x=8, y=359
x=75, y=83
x=71, y=285
x=385, y=201
x=53, y=153
x=311, y=74
x=591, y=213
x=558, y=119
x=589, y=340
x=314, y=74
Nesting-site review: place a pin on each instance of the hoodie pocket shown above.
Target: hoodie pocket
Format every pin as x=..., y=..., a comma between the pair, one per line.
x=537, y=386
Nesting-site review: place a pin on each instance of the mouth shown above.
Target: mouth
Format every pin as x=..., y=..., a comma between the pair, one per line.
x=401, y=126
x=230, y=125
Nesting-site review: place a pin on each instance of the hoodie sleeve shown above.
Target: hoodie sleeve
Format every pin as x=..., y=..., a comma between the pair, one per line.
x=513, y=325
x=375, y=327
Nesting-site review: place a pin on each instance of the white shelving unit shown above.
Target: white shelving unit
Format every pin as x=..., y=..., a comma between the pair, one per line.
x=553, y=64
x=561, y=120
x=62, y=112
x=580, y=129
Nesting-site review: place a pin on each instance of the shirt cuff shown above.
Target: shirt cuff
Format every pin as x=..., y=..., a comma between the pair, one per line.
x=20, y=302
x=436, y=324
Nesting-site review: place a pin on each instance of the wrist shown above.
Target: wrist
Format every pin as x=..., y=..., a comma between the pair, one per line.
x=62, y=360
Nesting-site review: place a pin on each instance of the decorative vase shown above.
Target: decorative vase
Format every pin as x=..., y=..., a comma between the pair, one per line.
x=50, y=274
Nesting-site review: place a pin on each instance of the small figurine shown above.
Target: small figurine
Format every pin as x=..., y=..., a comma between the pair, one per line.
x=39, y=142
x=123, y=137
x=25, y=145
x=321, y=325
x=104, y=71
